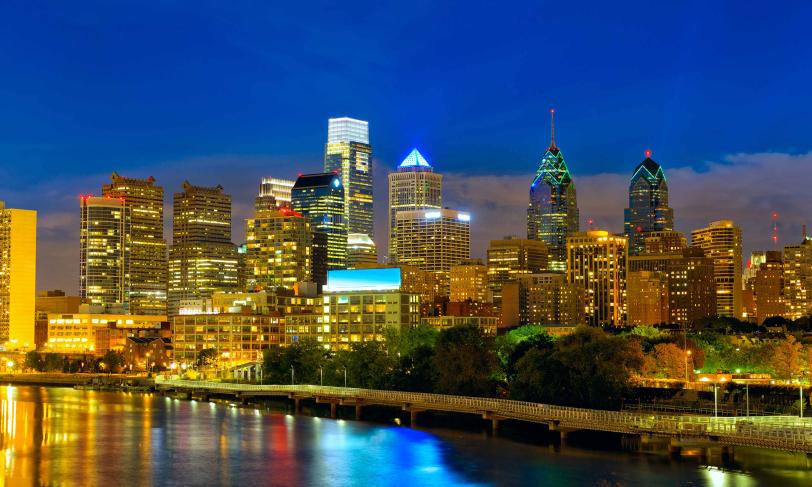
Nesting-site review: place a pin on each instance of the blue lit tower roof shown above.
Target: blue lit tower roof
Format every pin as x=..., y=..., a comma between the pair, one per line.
x=414, y=160
x=648, y=169
x=553, y=168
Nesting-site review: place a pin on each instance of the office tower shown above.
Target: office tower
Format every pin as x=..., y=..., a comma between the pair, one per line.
x=361, y=250
x=414, y=186
x=597, y=263
x=648, y=209
x=542, y=299
x=433, y=240
x=274, y=193
x=768, y=287
x=147, y=262
x=18, y=274
x=664, y=242
x=202, y=258
x=757, y=257
x=104, y=252
x=278, y=249
x=552, y=214
x=512, y=256
x=647, y=298
x=320, y=199
x=722, y=242
x=349, y=155
x=798, y=278
x=469, y=281
x=691, y=286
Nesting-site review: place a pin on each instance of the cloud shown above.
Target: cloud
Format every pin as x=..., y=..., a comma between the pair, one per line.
x=746, y=188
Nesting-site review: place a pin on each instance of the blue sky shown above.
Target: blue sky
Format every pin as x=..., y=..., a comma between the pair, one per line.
x=225, y=92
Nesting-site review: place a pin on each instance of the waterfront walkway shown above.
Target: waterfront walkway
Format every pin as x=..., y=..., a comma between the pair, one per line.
x=787, y=433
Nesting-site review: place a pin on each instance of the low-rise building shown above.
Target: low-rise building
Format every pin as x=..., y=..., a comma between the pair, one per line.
x=96, y=333
x=147, y=353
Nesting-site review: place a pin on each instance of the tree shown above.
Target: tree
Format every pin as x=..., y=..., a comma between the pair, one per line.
x=112, y=361
x=303, y=358
x=207, y=357
x=464, y=362
x=52, y=362
x=403, y=342
x=369, y=366
x=33, y=361
x=786, y=358
x=670, y=361
x=414, y=372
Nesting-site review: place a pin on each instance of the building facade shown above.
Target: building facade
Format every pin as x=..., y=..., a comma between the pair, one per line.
x=202, y=258
x=237, y=338
x=104, y=251
x=542, y=299
x=18, y=274
x=798, y=278
x=647, y=298
x=768, y=288
x=552, y=214
x=274, y=193
x=722, y=242
x=469, y=281
x=648, y=209
x=361, y=251
x=512, y=257
x=278, y=249
x=414, y=186
x=596, y=263
x=147, y=260
x=349, y=155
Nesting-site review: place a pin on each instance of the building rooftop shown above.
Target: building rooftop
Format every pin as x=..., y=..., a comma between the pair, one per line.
x=317, y=179
x=414, y=160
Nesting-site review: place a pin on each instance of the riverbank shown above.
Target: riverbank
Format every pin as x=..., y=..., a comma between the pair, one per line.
x=68, y=380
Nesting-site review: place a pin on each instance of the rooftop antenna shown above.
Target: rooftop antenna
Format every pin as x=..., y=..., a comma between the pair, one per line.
x=775, y=229
x=552, y=128
x=803, y=227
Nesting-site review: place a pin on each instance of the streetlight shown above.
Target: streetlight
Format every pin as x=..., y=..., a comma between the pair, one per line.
x=747, y=396
x=801, y=391
x=687, y=354
x=345, y=376
x=292, y=376
x=321, y=376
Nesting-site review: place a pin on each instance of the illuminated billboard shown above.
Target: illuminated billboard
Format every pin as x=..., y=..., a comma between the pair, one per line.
x=352, y=280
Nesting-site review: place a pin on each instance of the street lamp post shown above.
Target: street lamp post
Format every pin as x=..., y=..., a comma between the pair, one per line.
x=321, y=376
x=801, y=391
x=747, y=396
x=292, y=376
x=687, y=354
x=345, y=376
x=715, y=400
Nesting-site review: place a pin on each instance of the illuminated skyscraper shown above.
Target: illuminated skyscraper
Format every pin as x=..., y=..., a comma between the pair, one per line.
x=274, y=193
x=361, y=251
x=320, y=199
x=722, y=242
x=768, y=287
x=349, y=155
x=104, y=251
x=511, y=257
x=597, y=264
x=433, y=240
x=147, y=266
x=414, y=186
x=647, y=293
x=798, y=278
x=202, y=258
x=648, y=209
x=18, y=273
x=278, y=249
x=469, y=281
x=552, y=214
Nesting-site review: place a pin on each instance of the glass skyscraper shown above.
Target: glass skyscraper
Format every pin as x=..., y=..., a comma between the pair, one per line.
x=648, y=209
x=552, y=214
x=320, y=199
x=349, y=155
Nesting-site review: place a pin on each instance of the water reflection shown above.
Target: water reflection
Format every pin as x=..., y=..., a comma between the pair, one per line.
x=68, y=437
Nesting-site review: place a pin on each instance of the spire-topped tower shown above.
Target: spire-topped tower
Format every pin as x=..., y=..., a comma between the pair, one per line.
x=648, y=209
x=552, y=214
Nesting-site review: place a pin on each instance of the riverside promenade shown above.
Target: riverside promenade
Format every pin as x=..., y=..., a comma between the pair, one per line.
x=787, y=433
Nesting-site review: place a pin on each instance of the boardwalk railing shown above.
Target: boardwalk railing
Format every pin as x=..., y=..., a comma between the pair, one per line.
x=778, y=432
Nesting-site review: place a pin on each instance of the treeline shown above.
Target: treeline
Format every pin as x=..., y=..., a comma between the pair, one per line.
x=111, y=361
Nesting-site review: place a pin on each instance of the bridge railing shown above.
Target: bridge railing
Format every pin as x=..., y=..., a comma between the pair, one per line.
x=787, y=431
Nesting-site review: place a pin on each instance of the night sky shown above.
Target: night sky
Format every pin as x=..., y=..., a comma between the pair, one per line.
x=227, y=92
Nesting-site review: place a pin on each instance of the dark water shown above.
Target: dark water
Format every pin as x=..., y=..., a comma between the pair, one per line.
x=55, y=436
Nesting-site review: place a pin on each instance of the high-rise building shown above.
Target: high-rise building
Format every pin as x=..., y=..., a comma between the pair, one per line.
x=349, y=155
x=147, y=263
x=104, y=252
x=664, y=242
x=202, y=258
x=433, y=240
x=414, y=186
x=552, y=214
x=278, y=249
x=361, y=250
x=542, y=299
x=320, y=199
x=274, y=193
x=647, y=298
x=648, y=209
x=597, y=264
x=469, y=281
x=757, y=257
x=722, y=242
x=511, y=257
x=768, y=287
x=798, y=278
x=18, y=274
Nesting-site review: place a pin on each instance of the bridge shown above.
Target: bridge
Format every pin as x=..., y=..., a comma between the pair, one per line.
x=788, y=433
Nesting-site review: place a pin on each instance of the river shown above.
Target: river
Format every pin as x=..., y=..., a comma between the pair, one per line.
x=60, y=436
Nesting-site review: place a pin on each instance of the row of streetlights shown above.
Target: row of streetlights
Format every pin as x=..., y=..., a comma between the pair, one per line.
x=321, y=376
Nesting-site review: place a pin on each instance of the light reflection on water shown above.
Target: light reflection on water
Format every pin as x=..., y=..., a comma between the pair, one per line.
x=56, y=436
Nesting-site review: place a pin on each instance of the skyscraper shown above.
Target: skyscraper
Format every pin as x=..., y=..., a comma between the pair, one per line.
x=768, y=287
x=18, y=272
x=414, y=186
x=349, y=155
x=469, y=281
x=597, y=264
x=320, y=199
x=511, y=257
x=433, y=240
x=202, y=258
x=722, y=242
x=104, y=251
x=274, y=193
x=798, y=278
x=361, y=251
x=278, y=249
x=147, y=266
x=552, y=214
x=648, y=209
